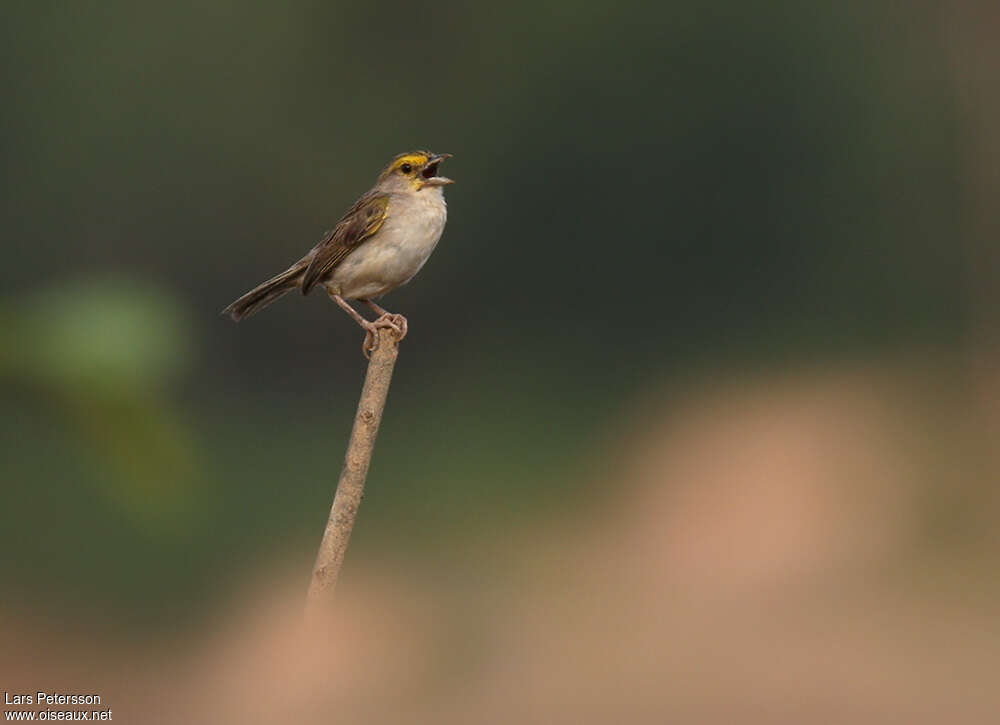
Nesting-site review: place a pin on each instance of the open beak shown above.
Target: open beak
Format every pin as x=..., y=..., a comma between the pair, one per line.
x=430, y=172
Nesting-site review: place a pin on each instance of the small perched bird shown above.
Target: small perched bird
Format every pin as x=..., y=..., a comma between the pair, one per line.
x=377, y=246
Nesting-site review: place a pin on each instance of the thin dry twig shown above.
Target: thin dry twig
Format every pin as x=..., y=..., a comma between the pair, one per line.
x=351, y=487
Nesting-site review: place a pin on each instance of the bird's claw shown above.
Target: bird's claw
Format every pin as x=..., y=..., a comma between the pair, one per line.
x=399, y=323
x=389, y=321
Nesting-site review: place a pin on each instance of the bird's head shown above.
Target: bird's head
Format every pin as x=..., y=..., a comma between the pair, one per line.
x=414, y=171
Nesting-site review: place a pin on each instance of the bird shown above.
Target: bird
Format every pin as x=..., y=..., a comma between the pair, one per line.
x=380, y=244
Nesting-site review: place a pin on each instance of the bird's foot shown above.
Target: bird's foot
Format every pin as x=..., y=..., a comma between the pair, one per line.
x=389, y=321
x=397, y=320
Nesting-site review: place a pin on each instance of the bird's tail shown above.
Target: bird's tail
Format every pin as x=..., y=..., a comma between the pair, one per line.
x=264, y=294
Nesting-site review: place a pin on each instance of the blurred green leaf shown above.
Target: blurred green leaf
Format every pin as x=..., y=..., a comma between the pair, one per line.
x=96, y=334
x=100, y=353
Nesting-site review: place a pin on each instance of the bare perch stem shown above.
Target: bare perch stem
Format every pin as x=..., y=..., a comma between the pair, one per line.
x=351, y=487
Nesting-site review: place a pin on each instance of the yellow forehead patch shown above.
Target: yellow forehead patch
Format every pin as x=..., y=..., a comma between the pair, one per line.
x=411, y=159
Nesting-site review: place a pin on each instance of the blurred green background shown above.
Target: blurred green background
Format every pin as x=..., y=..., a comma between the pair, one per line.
x=648, y=193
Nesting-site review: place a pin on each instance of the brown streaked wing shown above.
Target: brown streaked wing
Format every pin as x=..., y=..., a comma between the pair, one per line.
x=360, y=222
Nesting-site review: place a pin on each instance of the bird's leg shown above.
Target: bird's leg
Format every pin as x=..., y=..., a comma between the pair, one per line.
x=370, y=328
x=376, y=308
x=346, y=307
x=397, y=320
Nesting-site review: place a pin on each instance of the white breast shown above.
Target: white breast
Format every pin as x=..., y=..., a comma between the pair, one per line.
x=398, y=250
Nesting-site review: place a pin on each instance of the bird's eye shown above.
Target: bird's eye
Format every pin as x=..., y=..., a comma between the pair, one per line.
x=406, y=168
